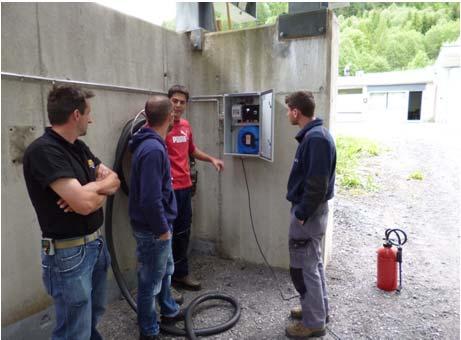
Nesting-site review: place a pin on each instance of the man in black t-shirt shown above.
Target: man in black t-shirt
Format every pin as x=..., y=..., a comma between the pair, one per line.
x=68, y=186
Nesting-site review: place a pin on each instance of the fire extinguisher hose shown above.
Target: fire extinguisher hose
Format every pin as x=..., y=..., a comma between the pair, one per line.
x=398, y=242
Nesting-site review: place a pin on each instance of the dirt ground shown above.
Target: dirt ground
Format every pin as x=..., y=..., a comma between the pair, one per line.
x=428, y=210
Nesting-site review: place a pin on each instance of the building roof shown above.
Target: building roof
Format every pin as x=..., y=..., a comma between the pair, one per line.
x=449, y=56
x=418, y=76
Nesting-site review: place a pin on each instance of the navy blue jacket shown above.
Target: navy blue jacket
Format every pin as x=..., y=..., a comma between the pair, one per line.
x=312, y=177
x=152, y=205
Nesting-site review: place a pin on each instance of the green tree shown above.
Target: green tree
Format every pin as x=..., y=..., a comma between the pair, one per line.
x=401, y=46
x=441, y=33
x=378, y=37
x=420, y=60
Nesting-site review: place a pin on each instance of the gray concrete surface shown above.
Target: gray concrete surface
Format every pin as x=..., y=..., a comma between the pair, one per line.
x=89, y=43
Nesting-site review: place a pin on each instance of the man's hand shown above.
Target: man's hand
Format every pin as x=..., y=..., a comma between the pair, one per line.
x=102, y=172
x=107, y=181
x=165, y=236
x=64, y=205
x=202, y=156
x=218, y=164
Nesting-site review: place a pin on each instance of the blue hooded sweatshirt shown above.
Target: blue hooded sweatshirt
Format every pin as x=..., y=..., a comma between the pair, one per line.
x=152, y=204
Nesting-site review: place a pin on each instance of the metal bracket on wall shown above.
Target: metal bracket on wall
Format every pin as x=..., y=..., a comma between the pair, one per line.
x=301, y=25
x=196, y=38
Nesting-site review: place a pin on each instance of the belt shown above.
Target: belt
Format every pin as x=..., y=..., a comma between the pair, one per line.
x=76, y=241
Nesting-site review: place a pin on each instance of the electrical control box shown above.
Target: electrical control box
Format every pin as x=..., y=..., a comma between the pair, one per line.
x=249, y=124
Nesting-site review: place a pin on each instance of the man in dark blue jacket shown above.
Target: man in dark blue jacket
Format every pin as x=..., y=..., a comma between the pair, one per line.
x=310, y=186
x=152, y=210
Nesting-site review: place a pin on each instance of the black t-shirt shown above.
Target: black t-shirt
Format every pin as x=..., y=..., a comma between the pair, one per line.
x=47, y=159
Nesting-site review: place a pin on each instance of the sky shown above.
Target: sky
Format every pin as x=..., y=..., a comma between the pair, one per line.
x=151, y=11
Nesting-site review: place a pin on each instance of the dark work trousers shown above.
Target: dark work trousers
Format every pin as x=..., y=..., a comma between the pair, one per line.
x=181, y=232
x=306, y=267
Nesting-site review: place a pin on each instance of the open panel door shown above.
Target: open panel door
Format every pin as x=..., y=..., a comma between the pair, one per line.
x=267, y=125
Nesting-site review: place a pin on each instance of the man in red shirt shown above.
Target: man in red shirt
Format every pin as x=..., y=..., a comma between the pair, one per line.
x=180, y=146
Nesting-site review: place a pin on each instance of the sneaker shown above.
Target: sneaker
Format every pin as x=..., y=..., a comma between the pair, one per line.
x=297, y=313
x=177, y=296
x=148, y=337
x=298, y=331
x=187, y=282
x=167, y=320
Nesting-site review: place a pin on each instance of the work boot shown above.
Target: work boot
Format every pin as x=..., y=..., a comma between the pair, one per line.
x=167, y=320
x=177, y=296
x=298, y=331
x=148, y=337
x=297, y=313
x=187, y=282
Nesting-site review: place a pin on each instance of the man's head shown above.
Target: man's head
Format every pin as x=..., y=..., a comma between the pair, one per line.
x=300, y=104
x=158, y=111
x=179, y=96
x=68, y=104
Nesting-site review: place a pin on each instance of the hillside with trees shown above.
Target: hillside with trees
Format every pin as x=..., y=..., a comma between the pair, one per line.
x=379, y=37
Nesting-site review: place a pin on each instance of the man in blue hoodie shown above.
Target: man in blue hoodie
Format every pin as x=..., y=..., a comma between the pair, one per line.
x=310, y=186
x=152, y=210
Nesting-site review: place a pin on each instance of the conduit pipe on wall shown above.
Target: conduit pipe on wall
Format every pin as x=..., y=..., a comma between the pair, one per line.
x=80, y=83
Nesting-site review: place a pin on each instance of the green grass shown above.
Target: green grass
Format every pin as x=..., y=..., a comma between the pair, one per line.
x=351, y=153
x=416, y=175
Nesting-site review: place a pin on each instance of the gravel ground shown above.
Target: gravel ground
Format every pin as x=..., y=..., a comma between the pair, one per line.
x=428, y=210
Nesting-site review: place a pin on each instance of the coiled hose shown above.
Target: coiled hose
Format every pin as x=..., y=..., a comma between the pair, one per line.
x=189, y=331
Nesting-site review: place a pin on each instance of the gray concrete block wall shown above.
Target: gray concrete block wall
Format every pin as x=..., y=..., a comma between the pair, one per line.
x=255, y=60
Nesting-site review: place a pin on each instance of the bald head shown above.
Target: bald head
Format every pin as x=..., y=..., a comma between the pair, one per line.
x=157, y=110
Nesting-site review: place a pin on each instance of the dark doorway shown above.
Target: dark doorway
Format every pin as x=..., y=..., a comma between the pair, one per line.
x=414, y=105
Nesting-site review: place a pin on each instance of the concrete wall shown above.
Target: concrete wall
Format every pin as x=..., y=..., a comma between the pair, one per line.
x=251, y=61
x=84, y=42
x=87, y=42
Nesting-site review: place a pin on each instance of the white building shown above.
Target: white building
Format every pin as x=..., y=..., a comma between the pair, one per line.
x=427, y=94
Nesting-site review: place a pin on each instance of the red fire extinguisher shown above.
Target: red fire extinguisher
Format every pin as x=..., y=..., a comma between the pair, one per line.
x=388, y=257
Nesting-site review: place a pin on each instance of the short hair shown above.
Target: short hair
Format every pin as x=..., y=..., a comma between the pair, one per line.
x=303, y=101
x=178, y=89
x=157, y=110
x=65, y=99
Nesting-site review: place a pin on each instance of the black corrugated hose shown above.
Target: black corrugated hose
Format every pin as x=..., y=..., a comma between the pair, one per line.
x=189, y=331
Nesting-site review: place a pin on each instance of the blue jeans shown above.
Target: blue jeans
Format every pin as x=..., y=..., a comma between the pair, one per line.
x=154, y=280
x=76, y=279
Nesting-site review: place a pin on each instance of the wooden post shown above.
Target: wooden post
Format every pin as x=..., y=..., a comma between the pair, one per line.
x=229, y=22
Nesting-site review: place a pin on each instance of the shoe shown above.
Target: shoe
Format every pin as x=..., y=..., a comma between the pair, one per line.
x=187, y=282
x=298, y=331
x=148, y=337
x=177, y=296
x=168, y=320
x=297, y=313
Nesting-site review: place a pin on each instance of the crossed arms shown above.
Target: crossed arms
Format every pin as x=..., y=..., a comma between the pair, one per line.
x=85, y=199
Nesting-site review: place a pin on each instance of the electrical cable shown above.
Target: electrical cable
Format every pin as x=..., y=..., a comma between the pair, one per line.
x=262, y=253
x=189, y=331
x=257, y=241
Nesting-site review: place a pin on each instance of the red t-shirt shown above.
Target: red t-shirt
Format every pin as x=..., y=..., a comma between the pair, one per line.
x=180, y=145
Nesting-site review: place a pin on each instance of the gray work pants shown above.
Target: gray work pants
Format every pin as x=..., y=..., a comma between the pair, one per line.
x=306, y=267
